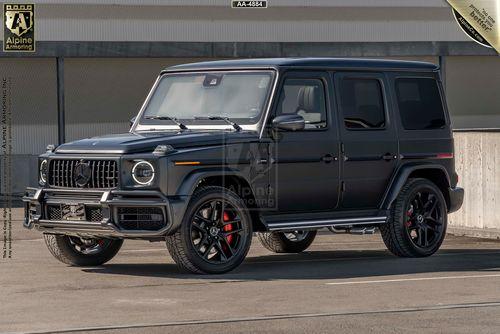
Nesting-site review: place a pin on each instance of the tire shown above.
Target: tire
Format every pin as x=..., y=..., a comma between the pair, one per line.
x=73, y=251
x=410, y=224
x=279, y=242
x=204, y=244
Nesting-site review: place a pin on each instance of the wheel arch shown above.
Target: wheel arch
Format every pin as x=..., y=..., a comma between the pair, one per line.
x=432, y=172
x=227, y=178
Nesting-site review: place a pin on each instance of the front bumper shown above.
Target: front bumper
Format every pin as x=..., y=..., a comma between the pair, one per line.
x=456, y=196
x=37, y=199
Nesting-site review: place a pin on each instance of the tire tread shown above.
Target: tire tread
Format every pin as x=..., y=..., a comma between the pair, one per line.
x=393, y=231
x=175, y=242
x=58, y=246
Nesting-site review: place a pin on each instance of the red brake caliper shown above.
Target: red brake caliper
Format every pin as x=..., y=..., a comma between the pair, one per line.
x=409, y=213
x=228, y=227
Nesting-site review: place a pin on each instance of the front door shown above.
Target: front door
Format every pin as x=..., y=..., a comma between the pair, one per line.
x=369, y=147
x=305, y=172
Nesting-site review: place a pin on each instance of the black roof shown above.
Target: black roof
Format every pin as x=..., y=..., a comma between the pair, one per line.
x=342, y=63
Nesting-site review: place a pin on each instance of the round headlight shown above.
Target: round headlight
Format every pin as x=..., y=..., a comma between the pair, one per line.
x=143, y=173
x=42, y=172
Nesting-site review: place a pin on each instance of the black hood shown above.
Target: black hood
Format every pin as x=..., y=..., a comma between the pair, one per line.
x=147, y=141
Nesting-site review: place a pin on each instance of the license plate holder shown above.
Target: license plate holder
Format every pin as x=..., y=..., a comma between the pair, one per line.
x=73, y=212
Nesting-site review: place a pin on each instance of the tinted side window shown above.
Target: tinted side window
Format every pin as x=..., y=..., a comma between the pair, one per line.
x=420, y=103
x=304, y=97
x=362, y=103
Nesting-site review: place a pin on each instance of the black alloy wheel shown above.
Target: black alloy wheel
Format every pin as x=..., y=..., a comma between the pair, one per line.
x=418, y=220
x=215, y=234
x=216, y=231
x=77, y=251
x=424, y=219
x=89, y=246
x=287, y=242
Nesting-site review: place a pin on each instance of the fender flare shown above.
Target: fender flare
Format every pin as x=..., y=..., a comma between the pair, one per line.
x=191, y=180
x=187, y=188
x=402, y=176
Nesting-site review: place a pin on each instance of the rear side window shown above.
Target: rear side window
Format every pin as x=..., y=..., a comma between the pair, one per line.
x=420, y=104
x=362, y=103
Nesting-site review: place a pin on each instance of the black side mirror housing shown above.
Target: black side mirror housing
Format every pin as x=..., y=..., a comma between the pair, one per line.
x=132, y=121
x=292, y=122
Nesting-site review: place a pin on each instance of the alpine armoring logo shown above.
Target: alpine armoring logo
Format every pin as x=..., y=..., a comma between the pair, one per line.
x=19, y=27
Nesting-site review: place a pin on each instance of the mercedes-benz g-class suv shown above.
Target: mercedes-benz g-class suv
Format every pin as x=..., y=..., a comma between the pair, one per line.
x=281, y=147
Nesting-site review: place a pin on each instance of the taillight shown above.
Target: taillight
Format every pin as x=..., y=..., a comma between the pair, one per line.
x=444, y=156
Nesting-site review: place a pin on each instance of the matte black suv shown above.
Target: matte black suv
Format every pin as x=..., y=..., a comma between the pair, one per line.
x=282, y=147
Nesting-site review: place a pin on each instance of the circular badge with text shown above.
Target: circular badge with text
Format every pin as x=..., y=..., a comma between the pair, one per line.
x=469, y=30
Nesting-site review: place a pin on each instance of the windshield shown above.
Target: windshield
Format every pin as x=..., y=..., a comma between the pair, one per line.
x=193, y=98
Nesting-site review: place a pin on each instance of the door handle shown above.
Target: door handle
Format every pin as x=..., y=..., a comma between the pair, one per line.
x=388, y=156
x=328, y=158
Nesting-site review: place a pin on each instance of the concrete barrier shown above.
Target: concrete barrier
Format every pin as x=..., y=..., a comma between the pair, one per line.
x=477, y=159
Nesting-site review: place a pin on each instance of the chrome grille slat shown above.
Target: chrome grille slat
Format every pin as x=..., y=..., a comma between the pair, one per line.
x=66, y=173
x=97, y=174
x=63, y=174
x=103, y=167
x=93, y=177
x=104, y=173
x=71, y=167
x=108, y=181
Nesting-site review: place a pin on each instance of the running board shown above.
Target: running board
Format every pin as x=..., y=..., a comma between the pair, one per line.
x=315, y=224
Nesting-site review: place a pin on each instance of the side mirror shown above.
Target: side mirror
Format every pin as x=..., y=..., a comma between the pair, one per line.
x=132, y=121
x=291, y=122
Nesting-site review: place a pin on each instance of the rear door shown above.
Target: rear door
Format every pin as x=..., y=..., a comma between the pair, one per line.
x=369, y=146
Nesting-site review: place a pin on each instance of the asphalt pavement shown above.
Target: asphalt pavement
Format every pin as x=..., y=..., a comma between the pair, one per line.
x=342, y=284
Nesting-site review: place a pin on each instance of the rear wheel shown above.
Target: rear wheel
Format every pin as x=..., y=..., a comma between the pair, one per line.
x=418, y=221
x=287, y=242
x=82, y=252
x=215, y=234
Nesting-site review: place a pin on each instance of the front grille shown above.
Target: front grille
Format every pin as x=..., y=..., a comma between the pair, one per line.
x=141, y=218
x=103, y=174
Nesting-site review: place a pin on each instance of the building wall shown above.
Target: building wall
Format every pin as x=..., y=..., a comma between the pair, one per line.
x=34, y=115
x=283, y=21
x=472, y=87
x=102, y=95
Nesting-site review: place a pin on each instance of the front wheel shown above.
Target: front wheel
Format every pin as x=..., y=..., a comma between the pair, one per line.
x=215, y=234
x=417, y=225
x=82, y=252
x=287, y=242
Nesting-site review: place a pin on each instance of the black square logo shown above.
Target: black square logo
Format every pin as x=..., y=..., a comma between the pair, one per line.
x=19, y=27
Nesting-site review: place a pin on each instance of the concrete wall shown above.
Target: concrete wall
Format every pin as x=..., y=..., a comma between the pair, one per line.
x=478, y=166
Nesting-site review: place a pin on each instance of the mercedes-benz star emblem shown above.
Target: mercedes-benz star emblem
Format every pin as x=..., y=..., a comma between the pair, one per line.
x=82, y=174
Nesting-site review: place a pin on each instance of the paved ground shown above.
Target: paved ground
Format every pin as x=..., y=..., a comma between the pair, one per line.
x=343, y=284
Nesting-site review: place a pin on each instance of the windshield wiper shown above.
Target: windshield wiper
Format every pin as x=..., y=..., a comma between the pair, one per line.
x=220, y=118
x=168, y=118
